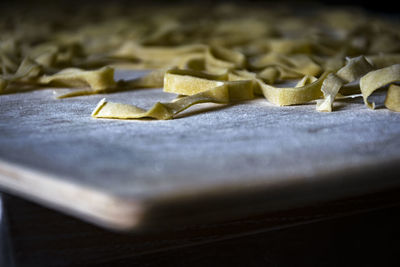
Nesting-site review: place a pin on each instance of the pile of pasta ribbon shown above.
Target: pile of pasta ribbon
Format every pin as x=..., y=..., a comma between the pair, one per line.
x=220, y=54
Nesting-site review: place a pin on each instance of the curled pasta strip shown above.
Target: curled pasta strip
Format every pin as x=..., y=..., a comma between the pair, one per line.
x=223, y=94
x=26, y=73
x=189, y=82
x=392, y=100
x=96, y=81
x=374, y=80
x=298, y=64
x=293, y=95
x=219, y=59
x=352, y=71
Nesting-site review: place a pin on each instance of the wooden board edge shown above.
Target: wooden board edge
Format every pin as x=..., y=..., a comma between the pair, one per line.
x=102, y=209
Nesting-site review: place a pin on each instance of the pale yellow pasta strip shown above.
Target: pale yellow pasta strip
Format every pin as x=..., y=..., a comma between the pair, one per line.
x=293, y=95
x=194, y=63
x=330, y=88
x=159, y=57
x=377, y=79
x=305, y=65
x=353, y=70
x=27, y=72
x=29, y=69
x=288, y=46
x=95, y=79
x=131, y=49
x=223, y=94
x=307, y=79
x=243, y=75
x=189, y=82
x=219, y=59
x=269, y=75
x=392, y=100
x=298, y=64
x=240, y=75
x=153, y=79
x=384, y=60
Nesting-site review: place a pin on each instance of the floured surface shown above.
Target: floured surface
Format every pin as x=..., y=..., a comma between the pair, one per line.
x=243, y=144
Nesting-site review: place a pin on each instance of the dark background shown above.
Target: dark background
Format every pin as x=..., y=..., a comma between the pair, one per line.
x=381, y=6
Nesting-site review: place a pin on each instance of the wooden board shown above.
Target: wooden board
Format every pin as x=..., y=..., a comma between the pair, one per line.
x=230, y=161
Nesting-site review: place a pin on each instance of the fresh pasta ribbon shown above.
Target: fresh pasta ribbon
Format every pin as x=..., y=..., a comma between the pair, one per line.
x=189, y=82
x=374, y=80
x=226, y=93
x=153, y=79
x=220, y=59
x=26, y=73
x=293, y=95
x=392, y=100
x=307, y=79
x=96, y=80
x=352, y=71
x=330, y=88
x=291, y=66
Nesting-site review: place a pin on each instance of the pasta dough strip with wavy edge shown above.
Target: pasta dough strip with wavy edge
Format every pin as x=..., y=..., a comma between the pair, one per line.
x=392, y=100
x=220, y=60
x=27, y=72
x=374, y=80
x=293, y=95
x=97, y=80
x=353, y=70
x=189, y=82
x=223, y=94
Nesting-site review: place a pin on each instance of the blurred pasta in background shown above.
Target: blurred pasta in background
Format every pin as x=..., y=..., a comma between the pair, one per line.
x=203, y=53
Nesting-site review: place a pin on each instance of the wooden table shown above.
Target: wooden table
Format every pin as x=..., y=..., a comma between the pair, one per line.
x=351, y=232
